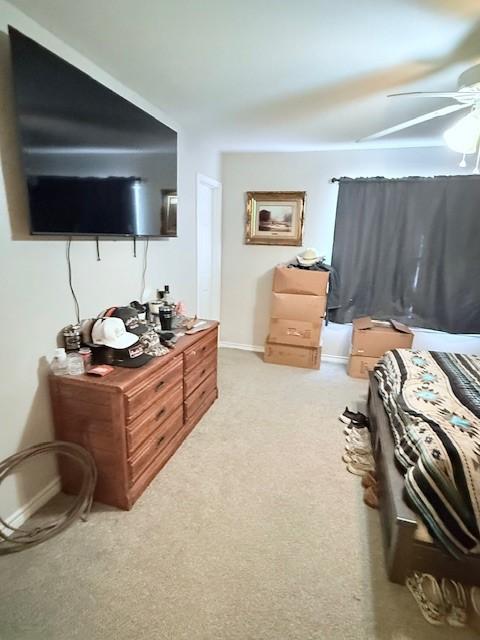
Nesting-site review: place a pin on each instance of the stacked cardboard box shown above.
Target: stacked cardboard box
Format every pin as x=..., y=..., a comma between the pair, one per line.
x=371, y=339
x=299, y=300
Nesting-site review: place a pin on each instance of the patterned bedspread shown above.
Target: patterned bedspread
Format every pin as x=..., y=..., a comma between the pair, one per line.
x=433, y=402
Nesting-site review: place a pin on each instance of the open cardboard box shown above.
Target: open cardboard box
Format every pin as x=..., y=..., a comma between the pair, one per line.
x=372, y=338
x=300, y=281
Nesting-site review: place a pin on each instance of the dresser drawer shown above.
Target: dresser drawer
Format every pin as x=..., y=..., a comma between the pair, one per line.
x=154, y=445
x=200, y=373
x=148, y=474
x=154, y=417
x=197, y=397
x=200, y=409
x=154, y=389
x=197, y=354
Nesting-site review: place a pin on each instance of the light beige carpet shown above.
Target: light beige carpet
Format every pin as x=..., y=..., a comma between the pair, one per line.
x=254, y=530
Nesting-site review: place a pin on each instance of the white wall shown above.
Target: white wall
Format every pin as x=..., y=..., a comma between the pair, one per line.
x=247, y=269
x=36, y=302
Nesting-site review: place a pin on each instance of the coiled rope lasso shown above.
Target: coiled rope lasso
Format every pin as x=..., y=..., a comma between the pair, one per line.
x=13, y=539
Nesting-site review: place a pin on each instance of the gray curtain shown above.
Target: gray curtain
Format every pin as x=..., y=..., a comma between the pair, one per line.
x=408, y=249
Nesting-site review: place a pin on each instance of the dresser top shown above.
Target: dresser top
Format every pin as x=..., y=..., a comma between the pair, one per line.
x=123, y=377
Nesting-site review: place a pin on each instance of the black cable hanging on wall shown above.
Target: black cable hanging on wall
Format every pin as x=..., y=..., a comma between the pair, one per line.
x=144, y=270
x=70, y=284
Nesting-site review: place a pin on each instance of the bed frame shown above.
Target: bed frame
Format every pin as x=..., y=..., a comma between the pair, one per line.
x=404, y=553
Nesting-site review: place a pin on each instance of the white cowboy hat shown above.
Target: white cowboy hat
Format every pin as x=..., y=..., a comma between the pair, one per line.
x=308, y=257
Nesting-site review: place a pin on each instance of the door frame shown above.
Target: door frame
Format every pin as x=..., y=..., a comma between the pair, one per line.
x=216, y=188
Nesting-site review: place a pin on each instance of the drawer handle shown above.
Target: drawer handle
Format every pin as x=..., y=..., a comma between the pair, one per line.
x=203, y=371
x=159, y=385
x=194, y=353
x=160, y=413
x=159, y=441
x=203, y=393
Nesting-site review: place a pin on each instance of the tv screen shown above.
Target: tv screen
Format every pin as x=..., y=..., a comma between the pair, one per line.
x=95, y=164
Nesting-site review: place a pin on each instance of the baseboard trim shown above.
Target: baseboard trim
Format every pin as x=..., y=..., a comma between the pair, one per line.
x=242, y=347
x=21, y=515
x=336, y=359
x=252, y=347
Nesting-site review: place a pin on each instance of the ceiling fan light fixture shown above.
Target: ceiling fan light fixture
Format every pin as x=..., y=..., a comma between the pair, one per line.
x=463, y=137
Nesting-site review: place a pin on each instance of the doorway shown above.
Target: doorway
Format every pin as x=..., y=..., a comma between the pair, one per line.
x=209, y=247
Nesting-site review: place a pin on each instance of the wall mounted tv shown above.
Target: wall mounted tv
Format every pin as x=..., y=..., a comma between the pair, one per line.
x=94, y=163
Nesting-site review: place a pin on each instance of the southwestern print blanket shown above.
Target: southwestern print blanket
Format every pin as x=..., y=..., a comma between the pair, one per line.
x=433, y=402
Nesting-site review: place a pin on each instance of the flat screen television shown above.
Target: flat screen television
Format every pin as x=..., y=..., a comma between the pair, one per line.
x=95, y=164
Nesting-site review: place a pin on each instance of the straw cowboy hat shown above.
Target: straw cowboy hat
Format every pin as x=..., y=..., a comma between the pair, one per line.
x=308, y=257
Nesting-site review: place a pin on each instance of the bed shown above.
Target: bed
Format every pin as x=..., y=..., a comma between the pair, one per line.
x=424, y=409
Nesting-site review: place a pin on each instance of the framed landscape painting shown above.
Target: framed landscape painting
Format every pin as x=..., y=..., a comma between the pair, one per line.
x=275, y=217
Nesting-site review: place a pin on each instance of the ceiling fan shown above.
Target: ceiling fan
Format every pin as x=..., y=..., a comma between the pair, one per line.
x=464, y=135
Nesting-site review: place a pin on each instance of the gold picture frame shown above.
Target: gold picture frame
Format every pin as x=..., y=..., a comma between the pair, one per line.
x=275, y=217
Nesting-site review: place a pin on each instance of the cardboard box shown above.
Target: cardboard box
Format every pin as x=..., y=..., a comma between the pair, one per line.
x=295, y=332
x=359, y=366
x=298, y=307
x=296, y=319
x=300, y=281
x=306, y=357
x=373, y=338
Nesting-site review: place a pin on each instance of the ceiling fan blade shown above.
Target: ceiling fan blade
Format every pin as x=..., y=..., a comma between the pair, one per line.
x=410, y=123
x=474, y=95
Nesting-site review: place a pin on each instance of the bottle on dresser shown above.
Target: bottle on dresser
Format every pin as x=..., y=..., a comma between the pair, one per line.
x=63, y=363
x=167, y=296
x=58, y=365
x=167, y=311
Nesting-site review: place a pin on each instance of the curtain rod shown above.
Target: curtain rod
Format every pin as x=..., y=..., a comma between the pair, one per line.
x=365, y=178
x=373, y=178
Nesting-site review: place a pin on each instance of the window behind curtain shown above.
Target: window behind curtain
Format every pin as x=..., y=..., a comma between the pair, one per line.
x=409, y=249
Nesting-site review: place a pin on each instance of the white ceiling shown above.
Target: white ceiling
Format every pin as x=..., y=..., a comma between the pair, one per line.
x=277, y=74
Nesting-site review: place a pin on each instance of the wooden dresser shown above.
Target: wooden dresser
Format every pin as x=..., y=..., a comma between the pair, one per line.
x=133, y=420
